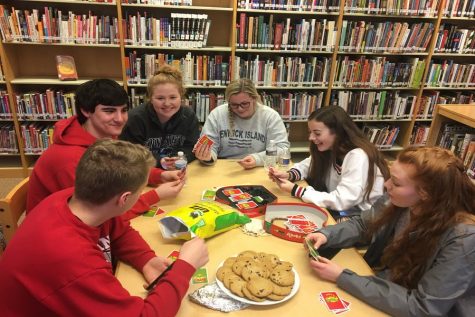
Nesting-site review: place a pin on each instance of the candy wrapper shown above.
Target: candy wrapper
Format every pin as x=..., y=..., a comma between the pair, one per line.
x=203, y=219
x=213, y=297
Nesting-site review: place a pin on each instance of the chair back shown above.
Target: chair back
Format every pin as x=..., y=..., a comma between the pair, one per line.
x=12, y=207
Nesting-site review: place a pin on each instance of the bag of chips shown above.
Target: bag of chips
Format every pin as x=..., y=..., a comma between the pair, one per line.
x=203, y=219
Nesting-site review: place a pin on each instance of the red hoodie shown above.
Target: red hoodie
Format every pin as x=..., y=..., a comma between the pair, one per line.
x=56, y=265
x=55, y=169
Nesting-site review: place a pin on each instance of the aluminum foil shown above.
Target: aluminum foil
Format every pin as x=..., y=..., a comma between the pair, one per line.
x=213, y=297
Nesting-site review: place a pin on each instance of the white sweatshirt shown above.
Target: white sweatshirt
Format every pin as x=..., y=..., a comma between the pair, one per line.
x=346, y=189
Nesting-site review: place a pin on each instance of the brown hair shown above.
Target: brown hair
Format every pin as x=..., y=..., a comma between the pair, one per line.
x=348, y=137
x=440, y=175
x=111, y=167
x=166, y=74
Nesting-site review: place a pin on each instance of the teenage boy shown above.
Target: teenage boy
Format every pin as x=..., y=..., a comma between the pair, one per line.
x=101, y=106
x=58, y=262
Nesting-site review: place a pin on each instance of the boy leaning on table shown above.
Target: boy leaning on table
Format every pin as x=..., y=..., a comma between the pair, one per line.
x=58, y=262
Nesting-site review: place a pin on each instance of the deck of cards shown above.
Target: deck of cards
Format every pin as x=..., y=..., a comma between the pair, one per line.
x=300, y=223
x=334, y=303
x=311, y=250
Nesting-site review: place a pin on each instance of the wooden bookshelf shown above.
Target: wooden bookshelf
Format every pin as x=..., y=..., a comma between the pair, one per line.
x=30, y=66
x=463, y=114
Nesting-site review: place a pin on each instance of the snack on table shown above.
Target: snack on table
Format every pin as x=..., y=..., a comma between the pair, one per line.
x=257, y=276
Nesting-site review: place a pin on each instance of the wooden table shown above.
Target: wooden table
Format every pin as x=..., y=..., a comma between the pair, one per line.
x=226, y=172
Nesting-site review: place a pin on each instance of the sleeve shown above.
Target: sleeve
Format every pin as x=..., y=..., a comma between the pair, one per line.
x=99, y=293
x=275, y=131
x=154, y=178
x=192, y=136
x=301, y=169
x=211, y=129
x=142, y=205
x=440, y=288
x=350, y=190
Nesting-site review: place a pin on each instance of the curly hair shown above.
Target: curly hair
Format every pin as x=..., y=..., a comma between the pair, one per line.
x=166, y=74
x=447, y=200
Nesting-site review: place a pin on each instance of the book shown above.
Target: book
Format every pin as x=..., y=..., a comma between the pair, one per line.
x=66, y=67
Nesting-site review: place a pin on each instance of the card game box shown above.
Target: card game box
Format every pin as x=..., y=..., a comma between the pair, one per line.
x=293, y=221
x=248, y=199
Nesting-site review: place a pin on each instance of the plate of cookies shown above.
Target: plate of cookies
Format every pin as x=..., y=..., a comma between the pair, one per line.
x=258, y=278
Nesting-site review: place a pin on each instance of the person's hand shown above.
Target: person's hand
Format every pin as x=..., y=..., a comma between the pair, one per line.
x=317, y=238
x=284, y=184
x=195, y=252
x=169, y=189
x=247, y=162
x=202, y=151
x=326, y=269
x=169, y=176
x=154, y=267
x=275, y=174
x=168, y=163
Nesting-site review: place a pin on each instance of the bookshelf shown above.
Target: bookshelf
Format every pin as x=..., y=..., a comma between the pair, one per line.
x=301, y=54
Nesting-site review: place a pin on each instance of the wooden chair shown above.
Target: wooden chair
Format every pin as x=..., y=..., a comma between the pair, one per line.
x=11, y=209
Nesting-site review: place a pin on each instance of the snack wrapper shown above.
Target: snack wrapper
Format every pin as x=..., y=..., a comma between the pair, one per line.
x=203, y=219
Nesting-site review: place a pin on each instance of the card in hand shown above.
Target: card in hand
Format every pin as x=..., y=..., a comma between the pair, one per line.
x=205, y=140
x=313, y=252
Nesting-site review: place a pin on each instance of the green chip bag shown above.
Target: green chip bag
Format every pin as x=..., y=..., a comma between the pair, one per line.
x=202, y=219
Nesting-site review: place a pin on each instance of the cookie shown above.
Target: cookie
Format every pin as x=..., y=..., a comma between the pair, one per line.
x=284, y=265
x=236, y=287
x=240, y=263
x=249, y=295
x=281, y=290
x=221, y=271
x=229, y=261
x=259, y=286
x=254, y=270
x=228, y=277
x=282, y=277
x=275, y=297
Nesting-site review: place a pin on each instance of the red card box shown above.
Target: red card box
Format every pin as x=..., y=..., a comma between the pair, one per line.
x=280, y=211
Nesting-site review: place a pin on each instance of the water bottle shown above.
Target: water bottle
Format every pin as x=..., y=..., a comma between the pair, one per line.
x=181, y=161
x=271, y=155
x=284, y=160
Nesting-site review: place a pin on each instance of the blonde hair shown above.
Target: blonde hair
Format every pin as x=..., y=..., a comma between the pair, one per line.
x=166, y=74
x=111, y=167
x=235, y=87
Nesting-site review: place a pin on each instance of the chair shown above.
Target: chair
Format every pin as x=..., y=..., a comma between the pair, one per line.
x=11, y=209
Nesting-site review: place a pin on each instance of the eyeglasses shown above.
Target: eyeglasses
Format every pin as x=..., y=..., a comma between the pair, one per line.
x=244, y=105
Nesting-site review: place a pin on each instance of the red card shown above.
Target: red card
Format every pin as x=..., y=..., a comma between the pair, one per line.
x=173, y=255
x=229, y=192
x=239, y=197
x=246, y=205
x=205, y=140
x=333, y=301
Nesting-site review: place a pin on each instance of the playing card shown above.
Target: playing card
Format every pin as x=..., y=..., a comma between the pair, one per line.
x=200, y=276
x=205, y=140
x=333, y=302
x=313, y=252
x=246, y=205
x=240, y=197
x=234, y=191
x=173, y=255
x=208, y=194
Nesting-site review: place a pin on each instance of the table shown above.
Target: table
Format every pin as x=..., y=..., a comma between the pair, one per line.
x=224, y=173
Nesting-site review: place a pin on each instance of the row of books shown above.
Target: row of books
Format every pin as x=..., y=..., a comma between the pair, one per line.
x=5, y=110
x=363, y=36
x=37, y=137
x=448, y=73
x=378, y=72
x=283, y=71
x=293, y=106
x=382, y=135
x=53, y=26
x=431, y=98
x=420, y=134
x=204, y=103
x=206, y=70
x=459, y=8
x=267, y=32
x=180, y=30
x=459, y=139
x=50, y=105
x=453, y=39
x=375, y=105
x=291, y=5
x=8, y=142
x=427, y=8
x=161, y=2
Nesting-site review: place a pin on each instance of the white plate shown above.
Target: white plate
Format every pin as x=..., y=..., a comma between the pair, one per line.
x=295, y=288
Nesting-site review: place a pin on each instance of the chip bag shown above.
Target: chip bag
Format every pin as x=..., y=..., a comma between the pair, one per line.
x=203, y=219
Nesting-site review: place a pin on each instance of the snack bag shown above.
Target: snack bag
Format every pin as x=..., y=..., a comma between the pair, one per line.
x=203, y=219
